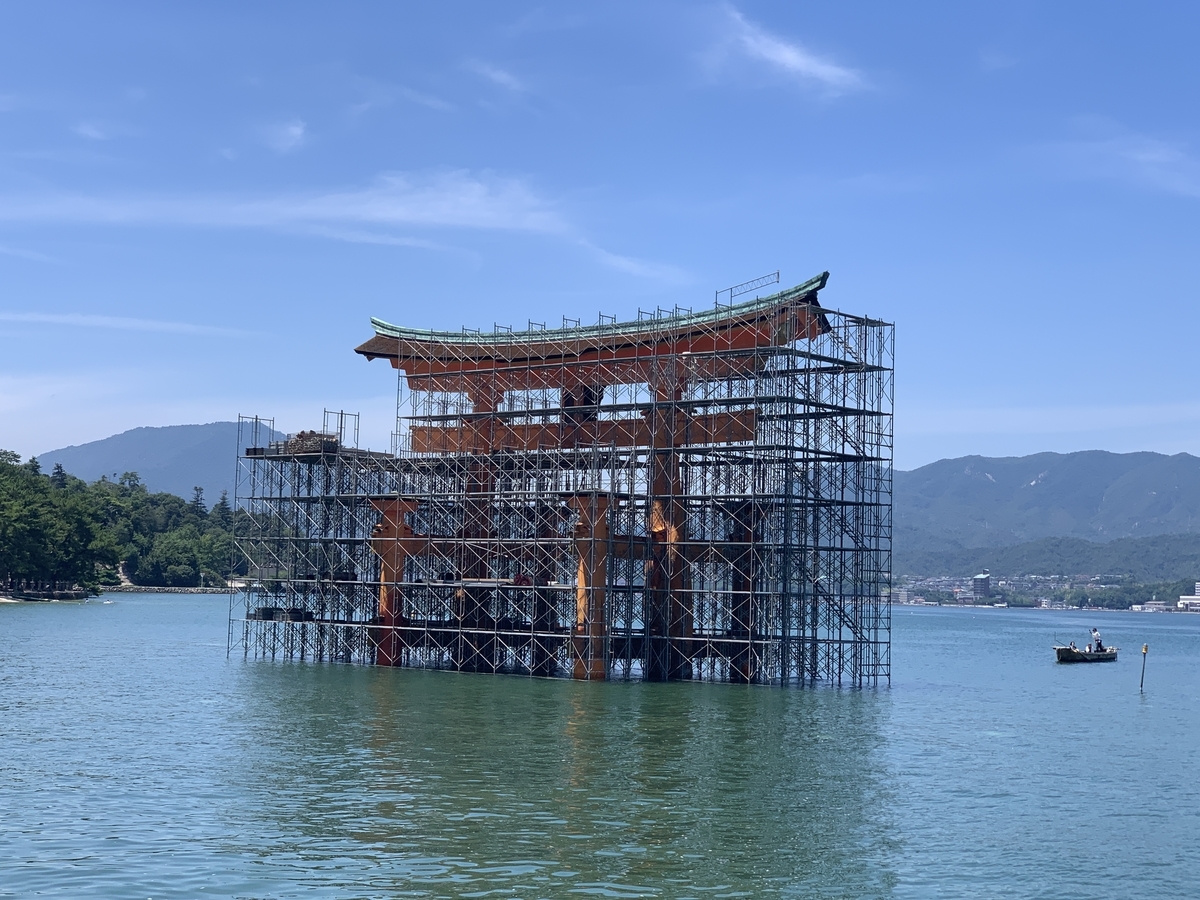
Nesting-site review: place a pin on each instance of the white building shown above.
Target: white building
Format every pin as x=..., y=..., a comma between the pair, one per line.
x=1192, y=603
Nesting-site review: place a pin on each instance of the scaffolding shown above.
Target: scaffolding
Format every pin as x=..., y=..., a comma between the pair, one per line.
x=701, y=496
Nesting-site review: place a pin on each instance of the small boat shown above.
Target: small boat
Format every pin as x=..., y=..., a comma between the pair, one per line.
x=1100, y=653
x=1075, y=655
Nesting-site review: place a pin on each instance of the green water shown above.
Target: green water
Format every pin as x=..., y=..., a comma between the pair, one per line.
x=137, y=761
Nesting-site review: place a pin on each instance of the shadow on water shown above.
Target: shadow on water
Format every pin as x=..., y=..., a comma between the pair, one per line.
x=415, y=783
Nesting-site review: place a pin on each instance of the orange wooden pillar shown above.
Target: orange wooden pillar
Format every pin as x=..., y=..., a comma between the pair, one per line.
x=393, y=541
x=591, y=549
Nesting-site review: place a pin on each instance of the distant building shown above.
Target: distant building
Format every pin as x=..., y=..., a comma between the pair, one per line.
x=981, y=585
x=1192, y=603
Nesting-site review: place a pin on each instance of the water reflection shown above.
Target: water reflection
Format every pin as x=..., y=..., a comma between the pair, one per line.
x=433, y=783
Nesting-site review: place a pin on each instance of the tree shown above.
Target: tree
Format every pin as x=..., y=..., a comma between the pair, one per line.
x=58, y=532
x=172, y=560
x=51, y=536
x=221, y=515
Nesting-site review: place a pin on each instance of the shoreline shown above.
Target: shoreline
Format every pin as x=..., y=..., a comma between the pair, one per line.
x=147, y=589
x=44, y=599
x=116, y=589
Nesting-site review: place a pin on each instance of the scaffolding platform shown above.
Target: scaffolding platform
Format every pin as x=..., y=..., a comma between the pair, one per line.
x=689, y=496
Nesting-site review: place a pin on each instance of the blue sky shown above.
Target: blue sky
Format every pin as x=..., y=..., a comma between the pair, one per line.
x=201, y=206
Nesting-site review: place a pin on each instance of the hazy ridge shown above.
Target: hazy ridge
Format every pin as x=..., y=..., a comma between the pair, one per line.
x=1091, y=512
x=173, y=458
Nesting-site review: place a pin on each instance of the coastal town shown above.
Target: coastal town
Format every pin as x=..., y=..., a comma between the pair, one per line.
x=1039, y=592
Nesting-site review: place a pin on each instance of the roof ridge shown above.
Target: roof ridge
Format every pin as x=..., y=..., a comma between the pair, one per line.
x=386, y=329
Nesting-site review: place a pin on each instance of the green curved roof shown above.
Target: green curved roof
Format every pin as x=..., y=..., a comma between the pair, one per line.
x=386, y=329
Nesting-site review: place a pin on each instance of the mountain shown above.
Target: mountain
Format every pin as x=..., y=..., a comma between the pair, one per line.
x=175, y=458
x=987, y=502
x=953, y=506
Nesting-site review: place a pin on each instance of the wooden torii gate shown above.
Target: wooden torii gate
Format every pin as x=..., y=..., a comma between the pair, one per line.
x=667, y=355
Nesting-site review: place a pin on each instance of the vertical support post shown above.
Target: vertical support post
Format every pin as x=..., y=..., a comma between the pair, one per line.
x=475, y=649
x=669, y=614
x=392, y=541
x=476, y=643
x=591, y=551
x=744, y=664
x=542, y=570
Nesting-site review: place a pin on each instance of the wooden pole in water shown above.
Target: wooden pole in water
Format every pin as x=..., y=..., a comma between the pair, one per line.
x=1145, y=650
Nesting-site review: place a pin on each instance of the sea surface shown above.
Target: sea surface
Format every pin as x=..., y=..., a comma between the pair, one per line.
x=137, y=761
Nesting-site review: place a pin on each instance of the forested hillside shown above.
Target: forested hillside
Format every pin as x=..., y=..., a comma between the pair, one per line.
x=58, y=532
x=1164, y=557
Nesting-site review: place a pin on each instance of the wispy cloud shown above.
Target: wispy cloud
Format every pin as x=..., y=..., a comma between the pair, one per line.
x=118, y=323
x=454, y=199
x=378, y=214
x=104, y=131
x=382, y=95
x=284, y=137
x=91, y=131
x=791, y=58
x=25, y=254
x=496, y=75
x=423, y=99
x=1109, y=152
x=357, y=236
x=641, y=268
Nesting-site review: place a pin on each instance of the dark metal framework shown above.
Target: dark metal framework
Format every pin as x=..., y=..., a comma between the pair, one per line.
x=689, y=496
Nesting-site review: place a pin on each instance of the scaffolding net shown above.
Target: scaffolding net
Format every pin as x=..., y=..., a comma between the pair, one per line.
x=701, y=496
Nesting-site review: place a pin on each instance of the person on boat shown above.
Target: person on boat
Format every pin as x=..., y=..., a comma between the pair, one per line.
x=1096, y=640
x=1087, y=649
x=1073, y=647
